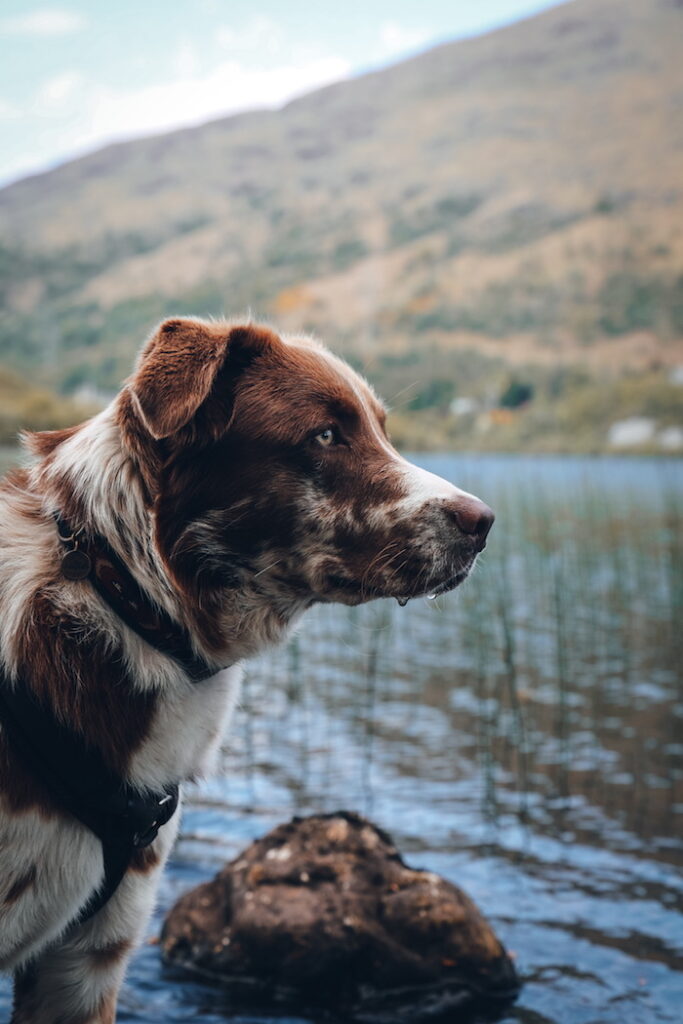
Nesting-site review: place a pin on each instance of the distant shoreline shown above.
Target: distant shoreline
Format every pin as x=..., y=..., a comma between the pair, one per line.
x=12, y=455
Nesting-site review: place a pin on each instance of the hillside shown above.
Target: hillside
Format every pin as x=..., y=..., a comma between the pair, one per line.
x=497, y=210
x=26, y=407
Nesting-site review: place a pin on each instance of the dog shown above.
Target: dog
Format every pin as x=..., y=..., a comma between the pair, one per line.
x=238, y=478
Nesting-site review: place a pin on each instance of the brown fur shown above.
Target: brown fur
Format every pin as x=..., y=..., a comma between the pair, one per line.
x=44, y=442
x=177, y=371
x=104, y=956
x=145, y=860
x=99, y=704
x=18, y=888
x=20, y=789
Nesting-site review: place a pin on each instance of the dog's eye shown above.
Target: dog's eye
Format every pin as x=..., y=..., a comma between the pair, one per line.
x=326, y=438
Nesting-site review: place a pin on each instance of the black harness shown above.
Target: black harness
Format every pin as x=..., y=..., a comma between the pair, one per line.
x=74, y=773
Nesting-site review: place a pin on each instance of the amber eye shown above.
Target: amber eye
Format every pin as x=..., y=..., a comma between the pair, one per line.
x=326, y=438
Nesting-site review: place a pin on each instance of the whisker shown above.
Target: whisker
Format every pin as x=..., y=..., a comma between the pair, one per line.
x=408, y=387
x=267, y=567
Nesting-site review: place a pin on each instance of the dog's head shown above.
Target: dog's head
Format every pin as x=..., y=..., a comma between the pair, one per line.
x=275, y=475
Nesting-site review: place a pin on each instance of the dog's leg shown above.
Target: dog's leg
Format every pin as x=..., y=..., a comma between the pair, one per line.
x=67, y=985
x=77, y=980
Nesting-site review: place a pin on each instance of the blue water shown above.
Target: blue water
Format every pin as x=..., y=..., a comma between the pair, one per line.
x=522, y=737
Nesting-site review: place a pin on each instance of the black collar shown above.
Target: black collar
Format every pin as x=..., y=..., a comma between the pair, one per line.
x=92, y=558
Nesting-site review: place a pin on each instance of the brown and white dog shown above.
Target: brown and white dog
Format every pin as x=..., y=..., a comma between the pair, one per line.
x=242, y=477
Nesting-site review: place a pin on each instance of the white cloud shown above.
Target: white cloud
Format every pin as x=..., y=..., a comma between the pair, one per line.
x=256, y=67
x=395, y=39
x=58, y=90
x=230, y=87
x=44, y=22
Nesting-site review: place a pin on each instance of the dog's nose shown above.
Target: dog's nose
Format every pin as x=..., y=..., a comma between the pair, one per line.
x=475, y=519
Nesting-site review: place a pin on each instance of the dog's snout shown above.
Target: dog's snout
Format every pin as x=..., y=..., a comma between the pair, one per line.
x=475, y=519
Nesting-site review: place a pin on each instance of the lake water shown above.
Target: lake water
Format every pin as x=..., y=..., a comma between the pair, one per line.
x=523, y=737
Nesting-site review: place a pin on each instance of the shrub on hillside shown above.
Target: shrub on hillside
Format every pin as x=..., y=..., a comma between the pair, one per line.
x=517, y=393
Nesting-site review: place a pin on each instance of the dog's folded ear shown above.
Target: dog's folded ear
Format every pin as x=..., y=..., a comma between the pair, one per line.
x=178, y=369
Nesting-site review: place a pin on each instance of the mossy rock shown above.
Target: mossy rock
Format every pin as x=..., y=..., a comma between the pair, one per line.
x=323, y=912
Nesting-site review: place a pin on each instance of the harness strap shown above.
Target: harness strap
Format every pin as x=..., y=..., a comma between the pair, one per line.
x=77, y=778
x=74, y=773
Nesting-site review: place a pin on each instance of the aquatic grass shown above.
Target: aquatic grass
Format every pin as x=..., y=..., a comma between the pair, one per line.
x=477, y=630
x=672, y=554
x=504, y=606
x=376, y=642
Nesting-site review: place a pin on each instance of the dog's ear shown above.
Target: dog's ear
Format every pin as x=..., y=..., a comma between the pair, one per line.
x=175, y=373
x=179, y=366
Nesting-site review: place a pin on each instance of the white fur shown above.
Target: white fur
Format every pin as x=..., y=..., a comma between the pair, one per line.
x=424, y=487
x=198, y=714
x=104, y=476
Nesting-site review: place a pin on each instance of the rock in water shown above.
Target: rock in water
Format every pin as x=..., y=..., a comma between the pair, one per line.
x=323, y=912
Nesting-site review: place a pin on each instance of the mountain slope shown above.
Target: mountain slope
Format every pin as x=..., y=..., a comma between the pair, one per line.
x=518, y=196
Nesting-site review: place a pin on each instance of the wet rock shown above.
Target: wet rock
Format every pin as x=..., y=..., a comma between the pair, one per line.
x=324, y=912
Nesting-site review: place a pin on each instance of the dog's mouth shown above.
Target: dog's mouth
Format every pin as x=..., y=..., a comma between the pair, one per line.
x=353, y=591
x=451, y=583
x=436, y=590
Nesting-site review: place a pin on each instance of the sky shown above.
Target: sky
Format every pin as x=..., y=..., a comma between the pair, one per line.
x=79, y=74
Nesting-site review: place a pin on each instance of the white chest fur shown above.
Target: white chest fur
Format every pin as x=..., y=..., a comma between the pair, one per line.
x=186, y=731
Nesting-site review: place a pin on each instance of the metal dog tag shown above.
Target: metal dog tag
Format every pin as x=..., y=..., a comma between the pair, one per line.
x=76, y=564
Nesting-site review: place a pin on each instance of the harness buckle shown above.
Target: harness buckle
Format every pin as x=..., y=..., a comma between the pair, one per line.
x=163, y=810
